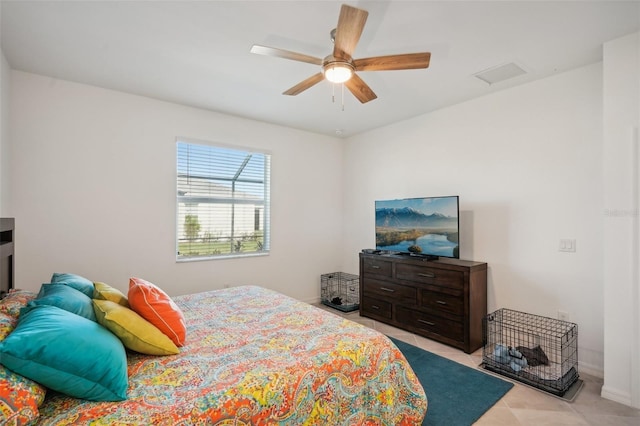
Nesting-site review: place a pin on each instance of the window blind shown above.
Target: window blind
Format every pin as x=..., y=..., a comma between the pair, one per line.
x=222, y=201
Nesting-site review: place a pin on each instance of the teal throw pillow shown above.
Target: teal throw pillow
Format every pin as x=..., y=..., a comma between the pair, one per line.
x=76, y=281
x=67, y=353
x=67, y=298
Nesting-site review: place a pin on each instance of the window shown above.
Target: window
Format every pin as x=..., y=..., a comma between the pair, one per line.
x=223, y=201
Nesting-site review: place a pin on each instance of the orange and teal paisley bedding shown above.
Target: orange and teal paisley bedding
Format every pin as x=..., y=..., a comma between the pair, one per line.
x=255, y=357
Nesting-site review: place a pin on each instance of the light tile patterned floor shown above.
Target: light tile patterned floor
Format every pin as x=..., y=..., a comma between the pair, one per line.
x=523, y=405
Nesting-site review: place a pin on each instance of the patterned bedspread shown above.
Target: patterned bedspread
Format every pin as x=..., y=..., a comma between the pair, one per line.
x=256, y=357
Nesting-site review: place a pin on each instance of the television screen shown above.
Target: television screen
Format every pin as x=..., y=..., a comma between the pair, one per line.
x=423, y=226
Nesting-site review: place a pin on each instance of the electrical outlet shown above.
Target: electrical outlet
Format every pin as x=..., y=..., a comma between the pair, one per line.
x=563, y=315
x=567, y=245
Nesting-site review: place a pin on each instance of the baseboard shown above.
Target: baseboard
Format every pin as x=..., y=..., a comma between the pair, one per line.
x=615, y=395
x=591, y=362
x=590, y=370
x=313, y=301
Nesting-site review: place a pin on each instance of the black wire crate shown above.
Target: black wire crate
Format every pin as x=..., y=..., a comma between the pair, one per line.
x=340, y=291
x=538, y=351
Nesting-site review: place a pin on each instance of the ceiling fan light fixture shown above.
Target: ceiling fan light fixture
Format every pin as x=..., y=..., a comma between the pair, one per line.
x=338, y=72
x=339, y=67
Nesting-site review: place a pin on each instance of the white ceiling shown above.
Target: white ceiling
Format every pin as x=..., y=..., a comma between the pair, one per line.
x=197, y=52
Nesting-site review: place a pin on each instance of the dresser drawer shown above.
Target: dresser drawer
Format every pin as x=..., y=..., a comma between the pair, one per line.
x=375, y=266
x=442, y=302
x=390, y=291
x=425, y=274
x=375, y=307
x=431, y=323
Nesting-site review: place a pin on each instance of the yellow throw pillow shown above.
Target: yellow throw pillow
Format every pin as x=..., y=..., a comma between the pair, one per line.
x=135, y=332
x=102, y=291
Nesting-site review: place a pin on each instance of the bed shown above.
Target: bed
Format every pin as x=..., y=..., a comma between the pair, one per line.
x=253, y=356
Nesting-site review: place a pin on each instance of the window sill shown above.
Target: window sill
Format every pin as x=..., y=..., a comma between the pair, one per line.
x=220, y=257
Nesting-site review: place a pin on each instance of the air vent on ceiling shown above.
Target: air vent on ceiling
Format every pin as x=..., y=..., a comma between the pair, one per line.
x=500, y=73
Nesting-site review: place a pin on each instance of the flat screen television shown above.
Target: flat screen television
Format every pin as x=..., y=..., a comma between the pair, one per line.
x=427, y=226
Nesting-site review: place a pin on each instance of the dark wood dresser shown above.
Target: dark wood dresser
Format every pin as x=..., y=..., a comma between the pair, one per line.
x=444, y=300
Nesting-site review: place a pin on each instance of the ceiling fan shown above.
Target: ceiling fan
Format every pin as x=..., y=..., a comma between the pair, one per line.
x=340, y=67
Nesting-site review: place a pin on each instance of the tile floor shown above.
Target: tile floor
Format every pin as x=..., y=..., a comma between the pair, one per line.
x=523, y=405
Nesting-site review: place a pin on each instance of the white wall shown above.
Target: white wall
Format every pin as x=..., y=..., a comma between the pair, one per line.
x=93, y=187
x=526, y=163
x=621, y=239
x=5, y=152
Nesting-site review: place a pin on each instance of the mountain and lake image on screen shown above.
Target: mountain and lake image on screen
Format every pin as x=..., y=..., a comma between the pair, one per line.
x=426, y=226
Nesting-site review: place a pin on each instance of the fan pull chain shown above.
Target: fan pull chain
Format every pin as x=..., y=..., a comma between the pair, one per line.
x=333, y=93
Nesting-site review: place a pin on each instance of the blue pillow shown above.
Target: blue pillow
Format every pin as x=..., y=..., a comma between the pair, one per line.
x=67, y=353
x=67, y=298
x=76, y=281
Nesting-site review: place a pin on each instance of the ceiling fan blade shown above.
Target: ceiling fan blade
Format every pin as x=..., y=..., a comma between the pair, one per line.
x=350, y=25
x=281, y=53
x=405, y=61
x=360, y=89
x=304, y=85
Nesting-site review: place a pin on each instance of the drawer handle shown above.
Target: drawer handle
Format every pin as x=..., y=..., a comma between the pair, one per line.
x=390, y=290
x=375, y=307
x=441, y=302
x=375, y=267
x=426, y=274
x=427, y=322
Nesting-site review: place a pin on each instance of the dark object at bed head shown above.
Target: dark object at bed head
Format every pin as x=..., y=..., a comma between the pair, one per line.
x=7, y=226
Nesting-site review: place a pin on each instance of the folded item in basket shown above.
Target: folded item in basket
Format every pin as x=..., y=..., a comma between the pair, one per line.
x=508, y=355
x=535, y=356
